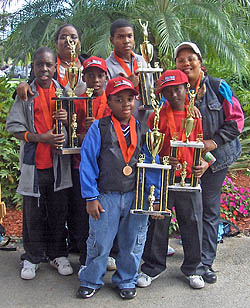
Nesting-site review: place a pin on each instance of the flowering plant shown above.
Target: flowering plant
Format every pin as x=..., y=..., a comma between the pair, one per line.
x=173, y=223
x=235, y=201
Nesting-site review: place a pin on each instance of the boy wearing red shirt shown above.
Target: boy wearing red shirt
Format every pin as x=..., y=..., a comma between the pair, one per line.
x=188, y=205
x=45, y=176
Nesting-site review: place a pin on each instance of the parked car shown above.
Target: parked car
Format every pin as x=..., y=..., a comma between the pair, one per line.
x=2, y=74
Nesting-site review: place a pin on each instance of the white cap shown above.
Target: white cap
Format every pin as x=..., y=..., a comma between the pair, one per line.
x=186, y=45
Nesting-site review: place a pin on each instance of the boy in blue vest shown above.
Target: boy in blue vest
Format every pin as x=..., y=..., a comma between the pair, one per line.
x=109, y=154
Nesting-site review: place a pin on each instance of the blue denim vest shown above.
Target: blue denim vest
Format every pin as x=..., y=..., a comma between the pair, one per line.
x=210, y=106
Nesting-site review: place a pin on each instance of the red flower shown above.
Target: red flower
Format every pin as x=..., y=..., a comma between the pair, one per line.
x=235, y=213
x=226, y=208
x=223, y=215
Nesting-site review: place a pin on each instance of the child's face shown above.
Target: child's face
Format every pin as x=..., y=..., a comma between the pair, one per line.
x=44, y=69
x=62, y=45
x=123, y=40
x=122, y=105
x=175, y=95
x=95, y=78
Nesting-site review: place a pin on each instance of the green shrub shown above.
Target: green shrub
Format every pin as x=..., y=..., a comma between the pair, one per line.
x=9, y=149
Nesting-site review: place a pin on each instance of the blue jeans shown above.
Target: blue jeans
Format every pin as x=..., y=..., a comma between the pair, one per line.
x=130, y=230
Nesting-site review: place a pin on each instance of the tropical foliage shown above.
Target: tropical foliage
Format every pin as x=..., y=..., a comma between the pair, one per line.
x=9, y=149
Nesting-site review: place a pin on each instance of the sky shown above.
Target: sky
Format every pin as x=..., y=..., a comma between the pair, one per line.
x=14, y=5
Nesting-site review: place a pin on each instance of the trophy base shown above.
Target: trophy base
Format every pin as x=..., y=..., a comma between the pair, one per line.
x=150, y=70
x=190, y=144
x=155, y=213
x=186, y=188
x=68, y=151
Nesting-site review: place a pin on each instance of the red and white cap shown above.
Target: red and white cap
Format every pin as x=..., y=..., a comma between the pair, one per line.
x=184, y=45
x=171, y=78
x=95, y=62
x=119, y=84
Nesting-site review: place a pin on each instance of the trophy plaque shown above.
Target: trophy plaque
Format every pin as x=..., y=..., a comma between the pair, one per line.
x=188, y=126
x=147, y=51
x=154, y=141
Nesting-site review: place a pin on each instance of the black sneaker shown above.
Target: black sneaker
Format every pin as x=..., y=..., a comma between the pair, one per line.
x=128, y=293
x=84, y=292
x=210, y=275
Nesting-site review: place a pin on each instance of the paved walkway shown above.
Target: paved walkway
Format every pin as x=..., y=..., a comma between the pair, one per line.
x=170, y=290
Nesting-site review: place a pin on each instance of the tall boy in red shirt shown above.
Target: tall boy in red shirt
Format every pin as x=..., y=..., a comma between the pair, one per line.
x=45, y=176
x=188, y=205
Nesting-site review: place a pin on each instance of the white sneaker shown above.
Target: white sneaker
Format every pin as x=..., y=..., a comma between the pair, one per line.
x=196, y=281
x=29, y=270
x=111, y=266
x=171, y=251
x=81, y=268
x=144, y=280
x=62, y=265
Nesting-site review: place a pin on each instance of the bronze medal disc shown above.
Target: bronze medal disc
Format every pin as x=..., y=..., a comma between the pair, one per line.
x=127, y=170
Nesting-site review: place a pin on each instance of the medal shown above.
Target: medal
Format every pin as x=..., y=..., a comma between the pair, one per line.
x=127, y=152
x=127, y=170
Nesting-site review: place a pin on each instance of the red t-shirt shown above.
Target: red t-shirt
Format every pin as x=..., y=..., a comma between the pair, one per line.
x=43, y=153
x=80, y=109
x=179, y=116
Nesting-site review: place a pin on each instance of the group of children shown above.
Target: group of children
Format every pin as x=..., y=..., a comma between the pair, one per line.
x=105, y=175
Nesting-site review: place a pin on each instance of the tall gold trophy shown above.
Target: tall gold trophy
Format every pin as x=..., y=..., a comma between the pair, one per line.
x=147, y=74
x=188, y=125
x=154, y=141
x=73, y=75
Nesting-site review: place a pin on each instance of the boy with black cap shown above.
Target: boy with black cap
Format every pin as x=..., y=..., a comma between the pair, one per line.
x=109, y=155
x=188, y=205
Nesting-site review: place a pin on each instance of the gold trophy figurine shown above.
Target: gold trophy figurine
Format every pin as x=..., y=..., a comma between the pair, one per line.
x=151, y=198
x=147, y=49
x=189, y=122
x=73, y=72
x=155, y=139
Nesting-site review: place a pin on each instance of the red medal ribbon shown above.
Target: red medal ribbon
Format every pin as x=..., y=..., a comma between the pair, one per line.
x=127, y=152
x=172, y=127
x=125, y=67
x=47, y=106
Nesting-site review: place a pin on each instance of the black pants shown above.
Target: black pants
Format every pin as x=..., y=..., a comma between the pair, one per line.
x=44, y=232
x=78, y=218
x=211, y=191
x=188, y=208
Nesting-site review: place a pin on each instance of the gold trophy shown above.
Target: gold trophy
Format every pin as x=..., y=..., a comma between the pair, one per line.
x=147, y=74
x=73, y=74
x=154, y=141
x=147, y=49
x=188, y=125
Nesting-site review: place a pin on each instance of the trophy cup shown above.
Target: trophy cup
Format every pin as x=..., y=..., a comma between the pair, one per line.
x=189, y=125
x=147, y=51
x=73, y=75
x=154, y=141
